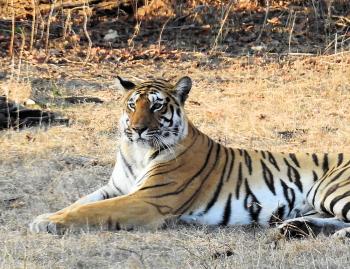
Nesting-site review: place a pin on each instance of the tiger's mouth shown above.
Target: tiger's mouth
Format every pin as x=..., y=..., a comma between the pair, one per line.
x=149, y=141
x=142, y=140
x=155, y=138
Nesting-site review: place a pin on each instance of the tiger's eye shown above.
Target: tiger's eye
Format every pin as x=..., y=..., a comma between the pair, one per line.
x=131, y=105
x=157, y=106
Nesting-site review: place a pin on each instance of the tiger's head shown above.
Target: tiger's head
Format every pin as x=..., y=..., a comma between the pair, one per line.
x=153, y=112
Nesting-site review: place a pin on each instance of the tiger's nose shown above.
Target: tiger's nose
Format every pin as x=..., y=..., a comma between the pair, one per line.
x=139, y=130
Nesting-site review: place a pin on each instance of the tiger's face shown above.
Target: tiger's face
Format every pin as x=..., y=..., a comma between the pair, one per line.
x=153, y=112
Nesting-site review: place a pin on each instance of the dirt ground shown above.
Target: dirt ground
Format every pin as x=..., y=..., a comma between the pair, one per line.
x=273, y=77
x=279, y=104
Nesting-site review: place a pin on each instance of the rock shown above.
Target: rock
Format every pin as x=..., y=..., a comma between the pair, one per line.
x=111, y=36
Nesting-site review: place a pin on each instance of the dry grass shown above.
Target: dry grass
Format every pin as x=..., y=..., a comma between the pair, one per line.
x=247, y=102
x=16, y=91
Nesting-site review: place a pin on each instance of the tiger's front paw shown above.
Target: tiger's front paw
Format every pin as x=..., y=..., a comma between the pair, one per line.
x=45, y=223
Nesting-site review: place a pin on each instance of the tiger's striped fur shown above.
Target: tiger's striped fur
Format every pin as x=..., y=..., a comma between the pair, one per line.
x=167, y=168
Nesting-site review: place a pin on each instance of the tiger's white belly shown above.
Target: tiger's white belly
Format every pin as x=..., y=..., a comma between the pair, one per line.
x=240, y=215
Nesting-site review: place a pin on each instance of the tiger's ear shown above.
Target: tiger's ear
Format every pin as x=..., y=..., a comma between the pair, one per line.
x=124, y=85
x=182, y=88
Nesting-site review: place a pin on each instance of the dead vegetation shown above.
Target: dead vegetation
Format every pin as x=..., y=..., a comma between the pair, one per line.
x=267, y=74
x=278, y=106
x=112, y=31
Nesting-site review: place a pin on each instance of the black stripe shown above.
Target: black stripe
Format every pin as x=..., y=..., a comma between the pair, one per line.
x=340, y=158
x=231, y=164
x=293, y=175
x=219, y=186
x=268, y=177
x=336, y=200
x=337, y=176
x=277, y=216
x=156, y=153
x=189, y=201
x=149, y=86
x=170, y=161
x=248, y=161
x=280, y=212
x=115, y=186
x=325, y=166
x=172, y=115
x=314, y=158
x=263, y=154
x=189, y=181
x=127, y=164
x=170, y=120
x=162, y=209
x=322, y=207
x=254, y=207
x=316, y=189
x=239, y=180
x=345, y=211
x=294, y=159
x=289, y=194
x=160, y=173
x=272, y=160
x=315, y=176
x=104, y=194
x=174, y=100
x=156, y=186
x=227, y=211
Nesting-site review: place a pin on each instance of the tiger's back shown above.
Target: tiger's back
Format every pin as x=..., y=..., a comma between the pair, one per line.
x=237, y=186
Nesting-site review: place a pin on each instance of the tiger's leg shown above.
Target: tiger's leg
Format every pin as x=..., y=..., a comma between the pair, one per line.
x=110, y=190
x=330, y=197
x=311, y=226
x=121, y=212
x=105, y=192
x=342, y=233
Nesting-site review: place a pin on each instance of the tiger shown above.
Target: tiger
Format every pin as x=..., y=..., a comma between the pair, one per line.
x=167, y=169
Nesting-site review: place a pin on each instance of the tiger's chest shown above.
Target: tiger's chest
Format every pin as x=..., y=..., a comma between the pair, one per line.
x=131, y=169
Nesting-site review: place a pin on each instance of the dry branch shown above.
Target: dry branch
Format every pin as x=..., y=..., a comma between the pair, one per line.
x=12, y=30
x=48, y=29
x=33, y=26
x=70, y=4
x=223, y=21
